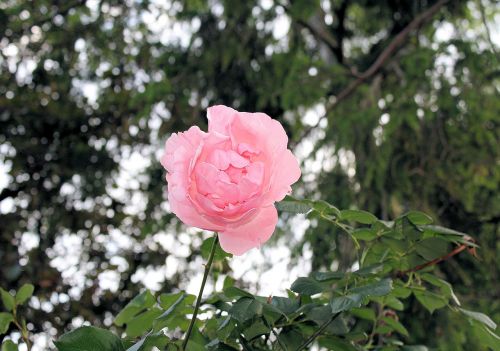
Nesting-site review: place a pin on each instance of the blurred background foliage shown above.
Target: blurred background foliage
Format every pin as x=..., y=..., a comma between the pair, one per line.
x=390, y=105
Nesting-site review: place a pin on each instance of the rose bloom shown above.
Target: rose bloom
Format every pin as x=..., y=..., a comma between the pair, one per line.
x=228, y=179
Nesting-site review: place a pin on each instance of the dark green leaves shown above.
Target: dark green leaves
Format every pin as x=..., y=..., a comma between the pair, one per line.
x=480, y=317
x=430, y=300
x=89, y=339
x=432, y=248
x=141, y=302
x=9, y=345
x=344, y=303
x=418, y=218
x=24, y=293
x=306, y=286
x=170, y=302
x=245, y=309
x=357, y=216
x=8, y=300
x=219, y=253
x=378, y=288
x=5, y=320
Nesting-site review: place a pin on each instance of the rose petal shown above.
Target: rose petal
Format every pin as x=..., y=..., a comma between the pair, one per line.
x=220, y=118
x=286, y=171
x=187, y=213
x=258, y=230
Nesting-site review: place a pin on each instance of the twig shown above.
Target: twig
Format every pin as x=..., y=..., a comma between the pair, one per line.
x=435, y=261
x=318, y=332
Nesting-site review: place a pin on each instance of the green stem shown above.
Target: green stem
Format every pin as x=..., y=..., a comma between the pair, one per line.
x=22, y=329
x=318, y=332
x=202, y=287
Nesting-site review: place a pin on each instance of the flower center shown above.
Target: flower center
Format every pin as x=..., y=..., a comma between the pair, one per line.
x=228, y=178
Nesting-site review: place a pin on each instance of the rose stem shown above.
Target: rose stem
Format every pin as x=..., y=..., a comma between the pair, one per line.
x=198, y=300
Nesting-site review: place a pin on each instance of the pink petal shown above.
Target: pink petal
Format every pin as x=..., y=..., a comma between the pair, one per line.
x=286, y=171
x=237, y=160
x=220, y=159
x=220, y=118
x=258, y=230
x=207, y=176
x=188, y=213
x=258, y=129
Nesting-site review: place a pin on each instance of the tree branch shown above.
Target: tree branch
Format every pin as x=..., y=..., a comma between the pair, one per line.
x=320, y=33
x=398, y=41
x=486, y=27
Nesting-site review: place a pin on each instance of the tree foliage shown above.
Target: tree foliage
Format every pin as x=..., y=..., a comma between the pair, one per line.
x=407, y=119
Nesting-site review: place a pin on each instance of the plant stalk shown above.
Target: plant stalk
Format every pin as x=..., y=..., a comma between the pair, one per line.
x=202, y=287
x=318, y=332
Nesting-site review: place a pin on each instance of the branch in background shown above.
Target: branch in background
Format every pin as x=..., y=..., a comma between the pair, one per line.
x=320, y=33
x=5, y=193
x=398, y=41
x=340, y=31
x=485, y=24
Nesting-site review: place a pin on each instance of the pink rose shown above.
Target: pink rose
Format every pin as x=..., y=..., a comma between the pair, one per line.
x=228, y=179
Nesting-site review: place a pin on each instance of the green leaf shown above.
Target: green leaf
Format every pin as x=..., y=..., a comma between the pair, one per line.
x=147, y=343
x=246, y=308
x=370, y=270
x=142, y=322
x=285, y=305
x=344, y=303
x=359, y=216
x=9, y=345
x=444, y=286
x=325, y=208
x=289, y=204
x=325, y=276
x=378, y=288
x=418, y=218
x=322, y=314
x=24, y=293
x=255, y=329
x=225, y=328
x=394, y=303
x=206, y=246
x=335, y=343
x=441, y=230
x=5, y=320
x=306, y=286
x=394, y=324
x=364, y=234
x=172, y=301
x=89, y=339
x=480, y=317
x=8, y=300
x=485, y=336
x=414, y=348
x=364, y=313
x=429, y=300
x=234, y=292
x=432, y=248
x=139, y=303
